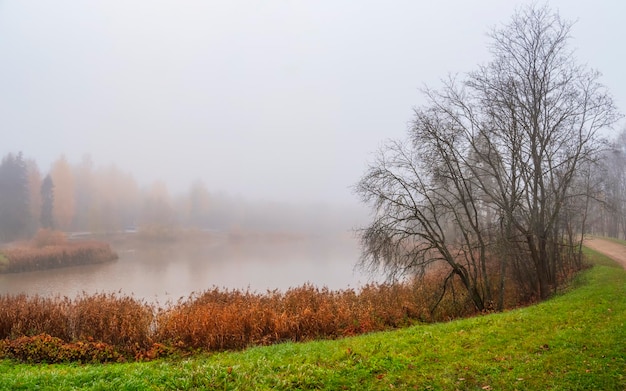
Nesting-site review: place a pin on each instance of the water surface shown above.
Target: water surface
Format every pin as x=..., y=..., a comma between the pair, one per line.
x=168, y=271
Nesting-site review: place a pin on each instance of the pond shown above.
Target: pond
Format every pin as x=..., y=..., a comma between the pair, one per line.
x=161, y=272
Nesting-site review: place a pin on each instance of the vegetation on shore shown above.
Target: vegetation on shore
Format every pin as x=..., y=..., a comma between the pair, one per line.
x=496, y=176
x=574, y=341
x=55, y=329
x=50, y=249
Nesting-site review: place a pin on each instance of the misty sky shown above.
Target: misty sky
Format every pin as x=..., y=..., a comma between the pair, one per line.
x=279, y=100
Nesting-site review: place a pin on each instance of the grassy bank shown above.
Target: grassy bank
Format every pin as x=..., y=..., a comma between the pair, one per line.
x=575, y=341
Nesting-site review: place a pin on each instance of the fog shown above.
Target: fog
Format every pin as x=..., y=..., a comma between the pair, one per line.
x=279, y=102
x=169, y=271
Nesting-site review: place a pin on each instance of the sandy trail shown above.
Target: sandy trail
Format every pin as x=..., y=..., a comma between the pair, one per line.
x=613, y=250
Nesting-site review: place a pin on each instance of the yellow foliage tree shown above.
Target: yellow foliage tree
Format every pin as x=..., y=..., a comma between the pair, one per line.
x=64, y=205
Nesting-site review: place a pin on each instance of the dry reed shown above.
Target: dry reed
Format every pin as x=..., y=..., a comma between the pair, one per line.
x=21, y=259
x=217, y=319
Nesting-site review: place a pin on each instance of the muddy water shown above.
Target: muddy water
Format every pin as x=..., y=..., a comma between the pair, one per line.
x=168, y=271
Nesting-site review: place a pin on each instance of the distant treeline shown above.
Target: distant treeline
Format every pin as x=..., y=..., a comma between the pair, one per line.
x=83, y=197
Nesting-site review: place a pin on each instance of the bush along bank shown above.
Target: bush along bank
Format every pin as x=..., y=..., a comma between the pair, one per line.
x=23, y=259
x=50, y=249
x=113, y=327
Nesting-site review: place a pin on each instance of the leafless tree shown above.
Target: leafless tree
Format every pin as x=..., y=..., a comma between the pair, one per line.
x=485, y=178
x=611, y=202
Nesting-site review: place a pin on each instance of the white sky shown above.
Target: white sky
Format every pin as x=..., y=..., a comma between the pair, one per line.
x=281, y=100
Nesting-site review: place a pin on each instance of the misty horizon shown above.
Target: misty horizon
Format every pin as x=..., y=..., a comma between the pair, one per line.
x=276, y=102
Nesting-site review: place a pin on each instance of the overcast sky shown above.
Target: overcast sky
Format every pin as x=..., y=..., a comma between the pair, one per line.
x=279, y=100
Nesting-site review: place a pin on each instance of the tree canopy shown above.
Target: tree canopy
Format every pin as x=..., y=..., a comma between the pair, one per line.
x=14, y=197
x=484, y=181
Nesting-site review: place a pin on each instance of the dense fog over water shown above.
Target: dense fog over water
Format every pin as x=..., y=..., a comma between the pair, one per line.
x=167, y=272
x=244, y=120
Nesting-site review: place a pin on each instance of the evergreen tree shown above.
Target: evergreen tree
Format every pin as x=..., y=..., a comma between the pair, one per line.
x=14, y=198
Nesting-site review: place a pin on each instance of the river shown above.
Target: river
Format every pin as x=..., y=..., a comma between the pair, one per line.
x=162, y=272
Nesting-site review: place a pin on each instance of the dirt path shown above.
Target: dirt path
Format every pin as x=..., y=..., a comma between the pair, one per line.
x=613, y=250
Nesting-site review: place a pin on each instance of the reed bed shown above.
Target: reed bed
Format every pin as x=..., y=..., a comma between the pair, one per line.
x=29, y=258
x=217, y=320
x=114, y=327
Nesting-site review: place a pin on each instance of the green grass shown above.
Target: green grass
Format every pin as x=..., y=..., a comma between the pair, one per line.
x=575, y=341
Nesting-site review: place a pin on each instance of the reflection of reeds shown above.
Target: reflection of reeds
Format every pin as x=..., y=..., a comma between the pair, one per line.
x=20, y=259
x=216, y=319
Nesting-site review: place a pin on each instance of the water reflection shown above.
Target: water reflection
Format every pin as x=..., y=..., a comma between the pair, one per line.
x=168, y=271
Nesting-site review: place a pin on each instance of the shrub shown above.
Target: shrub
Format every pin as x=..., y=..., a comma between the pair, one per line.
x=109, y=327
x=158, y=233
x=45, y=348
x=22, y=259
x=47, y=237
x=121, y=321
x=22, y=315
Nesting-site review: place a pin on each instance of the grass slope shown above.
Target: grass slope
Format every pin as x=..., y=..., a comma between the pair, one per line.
x=575, y=341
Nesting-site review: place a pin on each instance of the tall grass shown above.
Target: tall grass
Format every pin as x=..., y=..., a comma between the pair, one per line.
x=50, y=249
x=219, y=319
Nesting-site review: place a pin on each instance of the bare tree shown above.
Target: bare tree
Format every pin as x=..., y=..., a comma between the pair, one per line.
x=611, y=201
x=485, y=177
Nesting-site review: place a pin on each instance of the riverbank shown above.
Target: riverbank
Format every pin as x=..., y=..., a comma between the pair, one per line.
x=51, y=250
x=574, y=341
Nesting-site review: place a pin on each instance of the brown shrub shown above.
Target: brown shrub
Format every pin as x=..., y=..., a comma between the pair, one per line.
x=22, y=315
x=86, y=326
x=217, y=320
x=106, y=327
x=45, y=348
x=124, y=322
x=47, y=237
x=22, y=259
